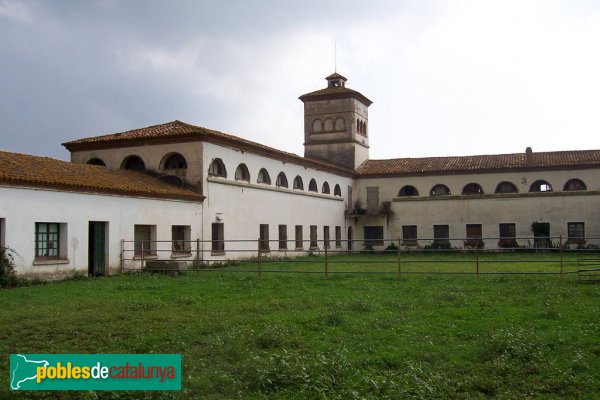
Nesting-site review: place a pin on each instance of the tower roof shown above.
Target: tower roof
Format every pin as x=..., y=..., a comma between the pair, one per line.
x=335, y=91
x=336, y=76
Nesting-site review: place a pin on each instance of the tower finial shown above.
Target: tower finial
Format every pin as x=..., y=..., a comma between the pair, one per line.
x=335, y=56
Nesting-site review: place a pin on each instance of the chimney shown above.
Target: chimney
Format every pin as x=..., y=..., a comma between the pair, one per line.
x=528, y=156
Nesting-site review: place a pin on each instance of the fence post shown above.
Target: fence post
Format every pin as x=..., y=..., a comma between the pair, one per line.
x=477, y=258
x=326, y=261
x=259, y=258
x=562, y=258
x=122, y=254
x=197, y=255
x=142, y=258
x=399, y=260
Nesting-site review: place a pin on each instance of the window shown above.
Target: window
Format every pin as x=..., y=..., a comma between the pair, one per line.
x=282, y=237
x=326, y=237
x=540, y=186
x=299, y=242
x=337, y=190
x=440, y=190
x=281, y=180
x=175, y=161
x=242, y=173
x=298, y=184
x=441, y=233
x=263, y=243
x=508, y=234
x=144, y=238
x=133, y=162
x=263, y=177
x=325, y=188
x=181, y=236
x=317, y=126
x=541, y=234
x=312, y=186
x=409, y=235
x=96, y=161
x=218, y=238
x=474, y=236
x=217, y=168
x=328, y=125
x=338, y=237
x=576, y=231
x=313, y=237
x=472, y=189
x=339, y=124
x=506, y=187
x=372, y=200
x=373, y=235
x=50, y=240
x=350, y=204
x=408, y=190
x=574, y=184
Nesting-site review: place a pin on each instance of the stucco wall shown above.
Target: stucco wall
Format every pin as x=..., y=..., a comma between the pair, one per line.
x=21, y=208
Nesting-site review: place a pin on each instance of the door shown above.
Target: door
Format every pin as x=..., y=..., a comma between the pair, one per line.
x=97, y=248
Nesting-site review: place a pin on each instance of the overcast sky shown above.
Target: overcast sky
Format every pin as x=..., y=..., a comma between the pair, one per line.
x=446, y=77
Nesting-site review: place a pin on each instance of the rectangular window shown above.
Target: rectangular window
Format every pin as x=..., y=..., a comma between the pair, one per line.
x=217, y=238
x=409, y=235
x=373, y=235
x=474, y=235
x=441, y=233
x=282, y=237
x=47, y=240
x=350, y=204
x=299, y=243
x=541, y=234
x=326, y=236
x=372, y=200
x=263, y=243
x=508, y=235
x=180, y=237
x=338, y=237
x=313, y=237
x=144, y=238
x=576, y=231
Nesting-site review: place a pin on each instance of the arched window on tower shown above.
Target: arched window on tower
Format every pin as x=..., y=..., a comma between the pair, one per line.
x=312, y=186
x=506, y=187
x=440, y=190
x=96, y=161
x=325, y=189
x=339, y=124
x=407, y=191
x=472, y=189
x=317, y=126
x=540, y=186
x=217, y=168
x=174, y=161
x=328, y=125
x=574, y=184
x=337, y=191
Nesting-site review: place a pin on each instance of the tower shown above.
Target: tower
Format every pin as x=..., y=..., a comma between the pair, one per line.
x=336, y=124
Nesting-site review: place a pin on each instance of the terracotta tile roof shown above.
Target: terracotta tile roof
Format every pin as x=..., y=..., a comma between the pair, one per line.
x=335, y=76
x=481, y=164
x=177, y=130
x=335, y=92
x=41, y=172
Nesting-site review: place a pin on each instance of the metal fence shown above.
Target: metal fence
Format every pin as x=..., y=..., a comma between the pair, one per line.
x=464, y=256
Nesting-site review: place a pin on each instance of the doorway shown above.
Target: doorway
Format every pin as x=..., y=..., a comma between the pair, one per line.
x=97, y=248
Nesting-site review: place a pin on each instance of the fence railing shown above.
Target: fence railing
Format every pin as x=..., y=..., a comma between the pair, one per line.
x=523, y=255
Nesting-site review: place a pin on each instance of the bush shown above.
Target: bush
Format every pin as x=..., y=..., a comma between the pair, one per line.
x=7, y=268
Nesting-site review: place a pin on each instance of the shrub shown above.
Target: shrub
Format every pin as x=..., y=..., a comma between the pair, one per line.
x=7, y=268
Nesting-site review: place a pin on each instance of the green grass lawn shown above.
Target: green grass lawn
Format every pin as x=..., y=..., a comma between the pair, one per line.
x=303, y=336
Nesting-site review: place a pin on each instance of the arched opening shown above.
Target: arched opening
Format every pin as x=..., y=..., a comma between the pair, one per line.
x=242, y=173
x=506, y=187
x=96, y=161
x=337, y=191
x=408, y=190
x=217, y=168
x=339, y=124
x=325, y=189
x=440, y=190
x=263, y=177
x=312, y=186
x=328, y=125
x=574, y=184
x=281, y=180
x=174, y=161
x=298, y=184
x=540, y=186
x=317, y=126
x=133, y=162
x=472, y=189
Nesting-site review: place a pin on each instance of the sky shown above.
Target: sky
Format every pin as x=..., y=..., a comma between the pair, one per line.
x=446, y=77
